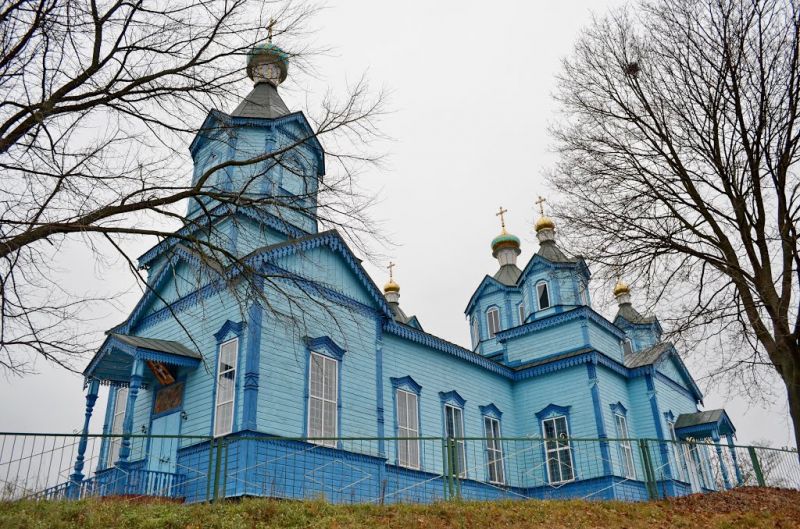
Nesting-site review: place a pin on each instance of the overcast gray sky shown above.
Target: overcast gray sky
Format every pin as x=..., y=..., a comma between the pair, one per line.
x=471, y=86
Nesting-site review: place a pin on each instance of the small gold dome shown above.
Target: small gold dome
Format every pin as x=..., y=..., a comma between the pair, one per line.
x=391, y=286
x=621, y=288
x=544, y=222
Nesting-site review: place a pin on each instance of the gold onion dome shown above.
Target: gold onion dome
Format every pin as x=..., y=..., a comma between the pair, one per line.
x=391, y=286
x=621, y=288
x=544, y=222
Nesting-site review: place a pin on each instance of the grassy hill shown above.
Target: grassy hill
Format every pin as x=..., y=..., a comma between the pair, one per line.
x=750, y=507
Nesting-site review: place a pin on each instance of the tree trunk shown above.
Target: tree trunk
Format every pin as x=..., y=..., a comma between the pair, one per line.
x=791, y=377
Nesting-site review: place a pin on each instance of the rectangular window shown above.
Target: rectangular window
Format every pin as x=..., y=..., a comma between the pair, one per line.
x=625, y=449
x=627, y=347
x=543, y=296
x=583, y=293
x=226, y=387
x=407, y=426
x=521, y=310
x=120, y=403
x=493, y=321
x=454, y=429
x=323, y=396
x=557, y=450
x=494, y=450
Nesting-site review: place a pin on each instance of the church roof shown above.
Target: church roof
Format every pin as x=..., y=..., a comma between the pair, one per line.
x=704, y=422
x=647, y=356
x=630, y=314
x=508, y=274
x=550, y=251
x=154, y=344
x=263, y=101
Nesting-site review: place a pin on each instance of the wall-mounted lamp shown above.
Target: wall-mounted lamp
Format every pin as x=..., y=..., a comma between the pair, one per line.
x=184, y=415
x=144, y=429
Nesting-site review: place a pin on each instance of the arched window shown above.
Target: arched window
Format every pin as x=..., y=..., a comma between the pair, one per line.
x=493, y=321
x=521, y=311
x=627, y=346
x=476, y=332
x=543, y=295
x=583, y=293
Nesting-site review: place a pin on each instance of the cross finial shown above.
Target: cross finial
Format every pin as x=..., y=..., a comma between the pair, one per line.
x=269, y=29
x=502, y=214
x=391, y=270
x=541, y=202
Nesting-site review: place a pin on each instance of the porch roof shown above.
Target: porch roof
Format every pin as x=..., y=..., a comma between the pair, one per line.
x=704, y=424
x=114, y=361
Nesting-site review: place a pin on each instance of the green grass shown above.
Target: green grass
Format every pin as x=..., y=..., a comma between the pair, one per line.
x=751, y=508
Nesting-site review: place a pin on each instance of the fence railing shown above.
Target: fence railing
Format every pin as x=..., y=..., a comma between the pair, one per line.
x=380, y=470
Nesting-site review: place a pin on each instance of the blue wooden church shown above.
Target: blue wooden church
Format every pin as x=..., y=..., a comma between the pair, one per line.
x=320, y=383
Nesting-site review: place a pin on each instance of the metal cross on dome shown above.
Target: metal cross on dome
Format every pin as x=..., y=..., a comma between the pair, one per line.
x=502, y=214
x=541, y=202
x=269, y=29
x=391, y=270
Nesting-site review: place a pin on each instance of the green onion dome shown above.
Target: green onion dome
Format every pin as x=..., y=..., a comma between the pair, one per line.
x=505, y=240
x=267, y=63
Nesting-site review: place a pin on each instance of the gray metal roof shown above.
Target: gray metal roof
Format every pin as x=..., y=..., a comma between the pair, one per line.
x=647, y=356
x=262, y=102
x=550, y=251
x=686, y=420
x=163, y=346
x=630, y=314
x=508, y=275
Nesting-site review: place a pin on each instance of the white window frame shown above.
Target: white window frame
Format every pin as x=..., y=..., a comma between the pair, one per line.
x=627, y=346
x=494, y=450
x=493, y=321
x=625, y=448
x=476, y=332
x=408, y=450
x=677, y=452
x=461, y=449
x=560, y=449
x=543, y=285
x=583, y=293
x=220, y=429
x=117, y=422
x=521, y=313
x=326, y=402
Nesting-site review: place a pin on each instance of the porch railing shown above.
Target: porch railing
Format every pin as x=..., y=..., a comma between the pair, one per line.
x=378, y=470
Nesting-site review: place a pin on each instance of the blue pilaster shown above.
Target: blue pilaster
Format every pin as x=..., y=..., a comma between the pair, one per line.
x=651, y=394
x=735, y=459
x=91, y=397
x=252, y=363
x=379, y=385
x=137, y=374
x=594, y=384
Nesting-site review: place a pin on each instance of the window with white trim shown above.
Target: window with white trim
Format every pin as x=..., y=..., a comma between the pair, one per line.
x=476, y=332
x=543, y=295
x=117, y=420
x=226, y=387
x=323, y=398
x=494, y=450
x=557, y=450
x=407, y=426
x=627, y=346
x=583, y=293
x=454, y=429
x=677, y=452
x=521, y=312
x=625, y=449
x=493, y=321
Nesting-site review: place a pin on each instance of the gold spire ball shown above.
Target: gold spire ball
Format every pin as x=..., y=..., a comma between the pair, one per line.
x=543, y=222
x=391, y=286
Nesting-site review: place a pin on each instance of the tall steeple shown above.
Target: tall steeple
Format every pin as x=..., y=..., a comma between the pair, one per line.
x=505, y=248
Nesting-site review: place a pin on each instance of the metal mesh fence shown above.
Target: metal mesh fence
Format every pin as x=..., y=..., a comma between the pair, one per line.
x=387, y=470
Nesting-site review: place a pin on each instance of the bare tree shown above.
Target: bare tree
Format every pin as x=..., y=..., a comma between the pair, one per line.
x=98, y=103
x=678, y=167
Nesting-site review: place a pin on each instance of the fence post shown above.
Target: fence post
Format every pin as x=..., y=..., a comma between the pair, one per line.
x=451, y=468
x=756, y=466
x=217, y=463
x=210, y=467
x=650, y=481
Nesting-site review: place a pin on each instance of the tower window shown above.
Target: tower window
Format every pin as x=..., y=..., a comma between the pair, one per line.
x=521, y=310
x=627, y=346
x=543, y=295
x=583, y=293
x=493, y=321
x=476, y=332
